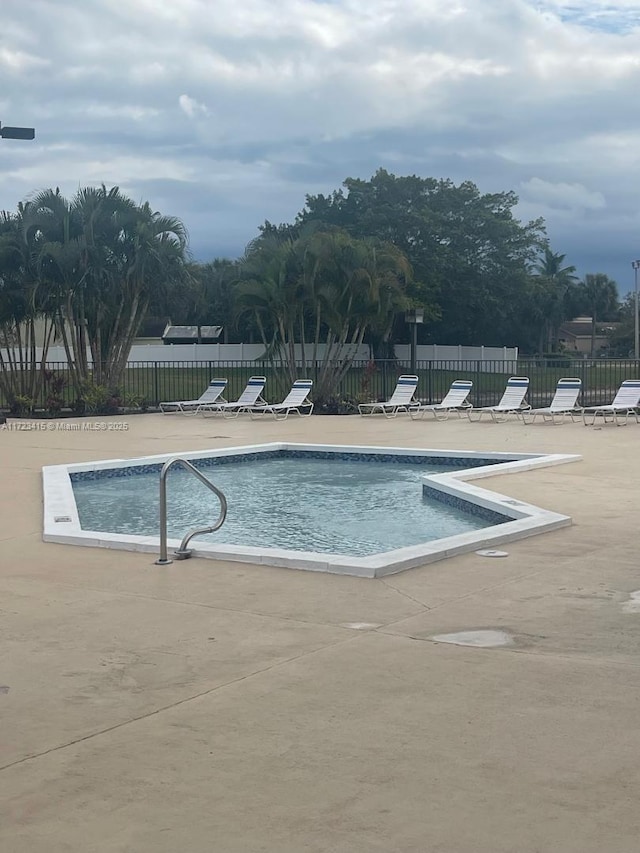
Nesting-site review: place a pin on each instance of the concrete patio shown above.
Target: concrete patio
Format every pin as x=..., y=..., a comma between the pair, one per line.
x=210, y=706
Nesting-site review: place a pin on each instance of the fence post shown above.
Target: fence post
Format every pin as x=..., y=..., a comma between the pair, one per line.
x=156, y=384
x=477, y=382
x=583, y=377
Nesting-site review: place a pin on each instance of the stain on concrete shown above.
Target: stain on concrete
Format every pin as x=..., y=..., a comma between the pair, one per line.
x=633, y=604
x=480, y=639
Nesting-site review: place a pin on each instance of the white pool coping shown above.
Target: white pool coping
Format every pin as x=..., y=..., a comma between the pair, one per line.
x=62, y=523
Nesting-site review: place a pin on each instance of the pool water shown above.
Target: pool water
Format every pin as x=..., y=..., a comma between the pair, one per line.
x=335, y=506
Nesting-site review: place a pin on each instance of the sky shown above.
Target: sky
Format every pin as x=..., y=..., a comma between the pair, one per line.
x=228, y=112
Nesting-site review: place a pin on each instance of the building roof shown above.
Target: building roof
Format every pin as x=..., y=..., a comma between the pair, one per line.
x=581, y=328
x=189, y=334
x=576, y=329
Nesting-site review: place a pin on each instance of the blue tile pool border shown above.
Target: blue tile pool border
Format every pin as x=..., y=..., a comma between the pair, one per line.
x=288, y=453
x=489, y=515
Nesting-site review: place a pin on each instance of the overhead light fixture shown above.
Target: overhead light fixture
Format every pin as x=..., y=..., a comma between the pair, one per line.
x=17, y=132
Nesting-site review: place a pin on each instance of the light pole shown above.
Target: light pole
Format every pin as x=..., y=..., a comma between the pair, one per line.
x=636, y=329
x=17, y=132
x=413, y=317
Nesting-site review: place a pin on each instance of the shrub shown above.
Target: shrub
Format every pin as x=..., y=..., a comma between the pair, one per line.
x=334, y=406
x=98, y=400
x=21, y=405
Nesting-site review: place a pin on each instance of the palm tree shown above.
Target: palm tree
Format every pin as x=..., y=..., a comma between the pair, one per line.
x=270, y=291
x=600, y=294
x=321, y=288
x=363, y=289
x=25, y=303
x=104, y=255
x=151, y=257
x=51, y=228
x=553, y=281
x=210, y=293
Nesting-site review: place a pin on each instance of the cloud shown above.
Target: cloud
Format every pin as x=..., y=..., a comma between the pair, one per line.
x=573, y=197
x=191, y=107
x=229, y=113
x=16, y=61
x=621, y=16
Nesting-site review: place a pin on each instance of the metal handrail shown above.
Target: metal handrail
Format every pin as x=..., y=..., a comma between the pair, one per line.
x=183, y=552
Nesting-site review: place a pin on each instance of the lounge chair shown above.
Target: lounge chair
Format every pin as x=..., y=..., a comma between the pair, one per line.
x=399, y=401
x=296, y=400
x=625, y=403
x=565, y=402
x=251, y=396
x=455, y=400
x=512, y=402
x=212, y=393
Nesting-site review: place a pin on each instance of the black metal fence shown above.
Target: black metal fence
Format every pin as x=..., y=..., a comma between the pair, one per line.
x=146, y=384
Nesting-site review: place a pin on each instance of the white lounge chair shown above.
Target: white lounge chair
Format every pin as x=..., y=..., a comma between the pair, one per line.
x=212, y=393
x=399, y=401
x=455, y=400
x=512, y=402
x=625, y=403
x=251, y=396
x=296, y=400
x=565, y=402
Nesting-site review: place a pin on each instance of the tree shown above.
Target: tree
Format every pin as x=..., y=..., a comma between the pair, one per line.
x=153, y=256
x=357, y=288
x=622, y=340
x=25, y=301
x=270, y=292
x=552, y=283
x=323, y=291
x=599, y=295
x=218, y=280
x=104, y=257
x=469, y=253
x=183, y=303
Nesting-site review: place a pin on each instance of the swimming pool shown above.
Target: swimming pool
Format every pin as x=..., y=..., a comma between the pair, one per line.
x=351, y=510
x=310, y=501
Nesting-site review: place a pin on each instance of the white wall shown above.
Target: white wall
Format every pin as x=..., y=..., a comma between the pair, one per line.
x=490, y=359
x=203, y=352
x=489, y=356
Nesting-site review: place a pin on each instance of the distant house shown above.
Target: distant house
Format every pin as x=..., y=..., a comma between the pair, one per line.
x=191, y=334
x=575, y=335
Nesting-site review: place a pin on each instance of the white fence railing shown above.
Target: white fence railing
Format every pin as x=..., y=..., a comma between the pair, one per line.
x=503, y=359
x=489, y=359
